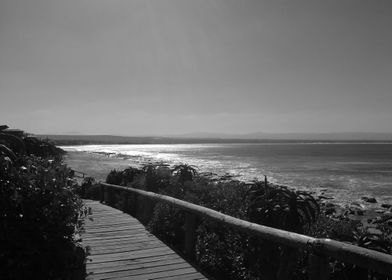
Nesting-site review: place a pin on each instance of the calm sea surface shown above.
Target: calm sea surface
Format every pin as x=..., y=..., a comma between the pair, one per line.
x=344, y=171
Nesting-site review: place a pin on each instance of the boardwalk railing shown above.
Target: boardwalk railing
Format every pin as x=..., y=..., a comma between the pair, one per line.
x=320, y=249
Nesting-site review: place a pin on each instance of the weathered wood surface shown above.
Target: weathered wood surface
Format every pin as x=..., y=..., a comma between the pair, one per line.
x=121, y=248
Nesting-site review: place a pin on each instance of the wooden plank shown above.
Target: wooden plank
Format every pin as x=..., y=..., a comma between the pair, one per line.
x=107, y=224
x=157, y=275
x=112, y=224
x=128, y=232
x=126, y=248
x=116, y=236
x=190, y=276
x=137, y=261
x=134, y=265
x=121, y=248
x=141, y=271
x=130, y=254
x=103, y=243
x=120, y=238
x=121, y=241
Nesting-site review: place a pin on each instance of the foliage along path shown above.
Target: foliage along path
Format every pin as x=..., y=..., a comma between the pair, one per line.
x=121, y=248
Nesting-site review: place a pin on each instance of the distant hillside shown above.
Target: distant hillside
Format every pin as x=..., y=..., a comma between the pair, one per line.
x=344, y=136
x=99, y=139
x=219, y=138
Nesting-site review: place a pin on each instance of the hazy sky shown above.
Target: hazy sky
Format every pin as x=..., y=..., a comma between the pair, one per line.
x=139, y=67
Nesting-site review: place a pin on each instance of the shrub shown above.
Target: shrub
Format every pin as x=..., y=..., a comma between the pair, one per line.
x=114, y=177
x=40, y=220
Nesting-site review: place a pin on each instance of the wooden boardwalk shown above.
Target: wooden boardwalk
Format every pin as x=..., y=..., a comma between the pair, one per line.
x=121, y=248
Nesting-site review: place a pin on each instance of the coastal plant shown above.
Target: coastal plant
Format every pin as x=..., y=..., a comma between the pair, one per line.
x=156, y=178
x=184, y=172
x=373, y=241
x=28, y=145
x=42, y=148
x=6, y=152
x=88, y=188
x=114, y=177
x=129, y=175
x=40, y=219
x=15, y=143
x=278, y=207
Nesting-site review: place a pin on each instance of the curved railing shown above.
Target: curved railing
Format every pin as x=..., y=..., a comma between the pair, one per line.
x=320, y=249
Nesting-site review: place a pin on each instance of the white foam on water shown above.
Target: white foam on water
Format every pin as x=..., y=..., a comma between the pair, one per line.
x=300, y=173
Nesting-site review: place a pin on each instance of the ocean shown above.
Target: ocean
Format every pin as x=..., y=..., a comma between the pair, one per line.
x=344, y=171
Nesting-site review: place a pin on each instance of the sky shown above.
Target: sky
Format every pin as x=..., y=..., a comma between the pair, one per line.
x=165, y=67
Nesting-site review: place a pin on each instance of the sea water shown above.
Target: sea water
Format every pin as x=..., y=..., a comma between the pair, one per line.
x=344, y=171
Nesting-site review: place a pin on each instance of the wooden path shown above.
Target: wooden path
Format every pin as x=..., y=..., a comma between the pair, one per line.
x=121, y=248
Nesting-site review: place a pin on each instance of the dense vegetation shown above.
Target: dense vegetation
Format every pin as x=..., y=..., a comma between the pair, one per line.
x=227, y=254
x=39, y=212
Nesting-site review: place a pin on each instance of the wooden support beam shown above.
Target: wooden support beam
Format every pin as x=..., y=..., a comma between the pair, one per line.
x=101, y=193
x=318, y=267
x=125, y=206
x=190, y=234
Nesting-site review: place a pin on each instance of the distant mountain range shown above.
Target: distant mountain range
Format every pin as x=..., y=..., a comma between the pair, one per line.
x=342, y=136
x=220, y=138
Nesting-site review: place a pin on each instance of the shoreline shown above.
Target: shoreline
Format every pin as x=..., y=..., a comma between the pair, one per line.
x=99, y=164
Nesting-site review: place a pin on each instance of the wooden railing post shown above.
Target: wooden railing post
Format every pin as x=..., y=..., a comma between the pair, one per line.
x=139, y=207
x=134, y=205
x=288, y=260
x=111, y=196
x=148, y=210
x=318, y=267
x=101, y=193
x=125, y=206
x=190, y=235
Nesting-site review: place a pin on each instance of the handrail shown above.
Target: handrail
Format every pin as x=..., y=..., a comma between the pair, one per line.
x=319, y=247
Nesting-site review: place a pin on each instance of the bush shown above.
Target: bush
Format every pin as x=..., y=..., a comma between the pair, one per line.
x=40, y=220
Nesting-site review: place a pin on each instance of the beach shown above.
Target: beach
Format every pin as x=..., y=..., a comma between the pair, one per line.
x=342, y=173
x=99, y=164
x=94, y=165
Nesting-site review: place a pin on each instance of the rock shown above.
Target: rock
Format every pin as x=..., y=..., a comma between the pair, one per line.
x=386, y=205
x=369, y=199
x=372, y=230
x=324, y=197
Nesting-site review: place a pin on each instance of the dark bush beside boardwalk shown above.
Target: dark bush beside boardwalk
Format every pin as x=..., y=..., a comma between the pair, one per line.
x=40, y=216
